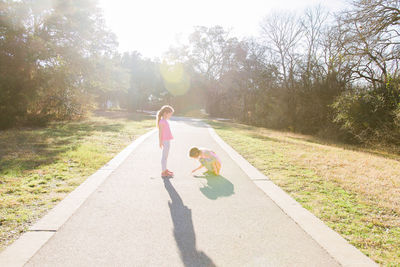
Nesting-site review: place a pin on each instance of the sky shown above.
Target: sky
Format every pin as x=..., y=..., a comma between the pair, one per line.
x=152, y=26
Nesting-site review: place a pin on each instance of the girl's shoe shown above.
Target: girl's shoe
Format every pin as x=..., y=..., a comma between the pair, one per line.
x=165, y=174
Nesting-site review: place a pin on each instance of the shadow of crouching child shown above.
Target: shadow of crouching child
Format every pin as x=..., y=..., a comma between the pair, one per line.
x=217, y=186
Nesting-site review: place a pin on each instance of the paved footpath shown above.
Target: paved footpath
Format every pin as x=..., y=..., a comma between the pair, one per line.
x=136, y=218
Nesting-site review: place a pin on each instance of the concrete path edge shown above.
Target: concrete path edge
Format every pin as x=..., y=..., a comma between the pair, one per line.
x=21, y=250
x=336, y=246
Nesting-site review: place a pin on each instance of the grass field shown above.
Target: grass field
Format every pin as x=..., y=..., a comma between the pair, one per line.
x=39, y=167
x=354, y=191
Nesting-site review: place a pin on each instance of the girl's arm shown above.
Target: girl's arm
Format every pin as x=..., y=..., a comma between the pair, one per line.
x=214, y=165
x=160, y=129
x=198, y=168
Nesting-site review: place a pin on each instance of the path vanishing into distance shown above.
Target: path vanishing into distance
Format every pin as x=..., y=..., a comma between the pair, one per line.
x=133, y=217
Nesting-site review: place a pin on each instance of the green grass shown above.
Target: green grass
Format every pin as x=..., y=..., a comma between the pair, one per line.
x=40, y=166
x=356, y=193
x=192, y=113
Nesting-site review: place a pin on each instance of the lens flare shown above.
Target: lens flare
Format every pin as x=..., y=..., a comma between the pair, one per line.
x=176, y=80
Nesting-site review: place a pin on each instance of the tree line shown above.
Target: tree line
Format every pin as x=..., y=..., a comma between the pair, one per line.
x=334, y=75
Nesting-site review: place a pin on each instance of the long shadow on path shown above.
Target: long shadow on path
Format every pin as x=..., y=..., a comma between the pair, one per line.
x=217, y=186
x=183, y=230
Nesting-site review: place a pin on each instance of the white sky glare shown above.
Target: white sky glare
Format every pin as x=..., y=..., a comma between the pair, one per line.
x=152, y=26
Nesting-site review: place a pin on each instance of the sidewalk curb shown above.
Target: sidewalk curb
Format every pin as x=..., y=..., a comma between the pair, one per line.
x=336, y=246
x=20, y=251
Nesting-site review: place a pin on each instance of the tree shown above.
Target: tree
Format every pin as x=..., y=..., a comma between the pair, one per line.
x=313, y=23
x=371, y=40
x=19, y=77
x=145, y=80
x=211, y=51
x=282, y=32
x=48, y=51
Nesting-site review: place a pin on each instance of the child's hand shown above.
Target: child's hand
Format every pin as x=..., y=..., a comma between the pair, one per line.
x=160, y=145
x=197, y=168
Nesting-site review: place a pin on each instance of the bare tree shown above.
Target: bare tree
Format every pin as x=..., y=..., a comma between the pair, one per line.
x=211, y=51
x=282, y=32
x=372, y=39
x=313, y=23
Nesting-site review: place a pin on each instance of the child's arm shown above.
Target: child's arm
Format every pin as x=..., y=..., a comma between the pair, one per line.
x=214, y=165
x=160, y=129
x=198, y=168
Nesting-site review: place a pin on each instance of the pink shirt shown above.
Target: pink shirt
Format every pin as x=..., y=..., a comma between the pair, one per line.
x=166, y=131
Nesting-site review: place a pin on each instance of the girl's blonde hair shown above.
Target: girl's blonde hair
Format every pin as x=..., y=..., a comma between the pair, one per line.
x=194, y=152
x=162, y=111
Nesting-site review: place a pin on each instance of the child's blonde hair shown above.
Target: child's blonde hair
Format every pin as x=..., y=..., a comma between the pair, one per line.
x=162, y=111
x=194, y=152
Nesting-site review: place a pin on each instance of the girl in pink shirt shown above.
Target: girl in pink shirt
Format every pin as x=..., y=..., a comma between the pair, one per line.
x=165, y=136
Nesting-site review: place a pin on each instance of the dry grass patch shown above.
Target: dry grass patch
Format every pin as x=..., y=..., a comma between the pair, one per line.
x=355, y=191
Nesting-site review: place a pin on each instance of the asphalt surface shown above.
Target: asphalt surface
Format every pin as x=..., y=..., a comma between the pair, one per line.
x=136, y=218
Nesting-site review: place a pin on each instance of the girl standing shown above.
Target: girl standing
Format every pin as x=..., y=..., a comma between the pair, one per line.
x=165, y=135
